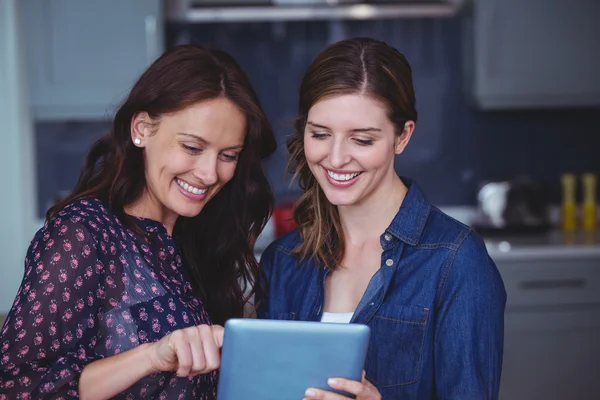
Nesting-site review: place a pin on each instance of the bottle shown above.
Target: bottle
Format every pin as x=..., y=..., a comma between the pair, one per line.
x=589, y=218
x=569, y=207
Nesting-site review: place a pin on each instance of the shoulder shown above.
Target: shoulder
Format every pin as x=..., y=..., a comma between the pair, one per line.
x=471, y=271
x=469, y=263
x=90, y=216
x=285, y=244
x=443, y=231
x=280, y=253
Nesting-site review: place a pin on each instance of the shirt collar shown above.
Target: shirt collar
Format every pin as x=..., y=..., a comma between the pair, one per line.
x=410, y=220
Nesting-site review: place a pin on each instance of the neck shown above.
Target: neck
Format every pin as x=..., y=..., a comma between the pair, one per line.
x=369, y=219
x=147, y=206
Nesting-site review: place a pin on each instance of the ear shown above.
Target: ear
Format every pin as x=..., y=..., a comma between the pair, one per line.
x=139, y=128
x=403, y=139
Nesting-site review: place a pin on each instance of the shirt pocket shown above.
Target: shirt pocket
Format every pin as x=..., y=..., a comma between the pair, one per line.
x=396, y=345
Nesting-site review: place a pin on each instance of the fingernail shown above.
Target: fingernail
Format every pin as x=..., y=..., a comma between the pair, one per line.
x=310, y=393
x=332, y=381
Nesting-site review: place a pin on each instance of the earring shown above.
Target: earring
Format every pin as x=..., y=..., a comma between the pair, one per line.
x=137, y=141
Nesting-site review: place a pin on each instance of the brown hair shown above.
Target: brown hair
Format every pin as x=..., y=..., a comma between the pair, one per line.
x=361, y=66
x=217, y=245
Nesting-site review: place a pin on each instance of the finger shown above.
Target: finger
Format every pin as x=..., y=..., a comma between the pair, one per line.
x=211, y=349
x=319, y=394
x=218, y=332
x=199, y=360
x=183, y=353
x=347, y=385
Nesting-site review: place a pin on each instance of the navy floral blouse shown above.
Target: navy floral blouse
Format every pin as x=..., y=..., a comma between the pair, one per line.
x=92, y=289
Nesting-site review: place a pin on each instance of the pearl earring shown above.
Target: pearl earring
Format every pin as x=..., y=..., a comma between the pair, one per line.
x=137, y=141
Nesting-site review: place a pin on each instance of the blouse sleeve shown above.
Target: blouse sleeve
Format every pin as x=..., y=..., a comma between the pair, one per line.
x=50, y=332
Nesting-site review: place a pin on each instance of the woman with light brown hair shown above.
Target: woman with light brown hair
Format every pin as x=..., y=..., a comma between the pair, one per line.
x=371, y=249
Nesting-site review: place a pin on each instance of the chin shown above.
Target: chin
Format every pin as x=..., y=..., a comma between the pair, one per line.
x=340, y=200
x=187, y=210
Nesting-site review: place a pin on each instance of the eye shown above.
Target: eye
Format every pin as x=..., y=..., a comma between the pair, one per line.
x=319, y=136
x=191, y=149
x=364, y=142
x=229, y=157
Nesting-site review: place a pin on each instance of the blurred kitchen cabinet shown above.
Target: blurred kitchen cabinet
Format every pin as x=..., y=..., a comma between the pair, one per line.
x=552, y=329
x=532, y=54
x=84, y=56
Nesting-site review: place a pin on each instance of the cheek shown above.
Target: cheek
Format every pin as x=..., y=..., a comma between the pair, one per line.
x=226, y=171
x=161, y=158
x=314, y=151
x=376, y=159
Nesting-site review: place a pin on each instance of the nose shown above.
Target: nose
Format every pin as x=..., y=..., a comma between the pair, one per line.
x=206, y=169
x=338, y=154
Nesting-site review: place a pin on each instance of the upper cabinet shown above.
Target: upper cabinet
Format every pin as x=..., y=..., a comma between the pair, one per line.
x=533, y=54
x=84, y=56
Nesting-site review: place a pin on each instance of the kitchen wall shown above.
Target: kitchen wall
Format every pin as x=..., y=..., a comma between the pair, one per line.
x=453, y=148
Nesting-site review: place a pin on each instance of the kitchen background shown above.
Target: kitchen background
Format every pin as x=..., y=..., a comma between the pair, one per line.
x=504, y=89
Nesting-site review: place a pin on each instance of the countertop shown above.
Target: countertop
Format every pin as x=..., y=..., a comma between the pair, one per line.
x=553, y=244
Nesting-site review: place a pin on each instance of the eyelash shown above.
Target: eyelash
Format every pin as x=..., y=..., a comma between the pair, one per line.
x=191, y=149
x=360, y=142
x=224, y=157
x=364, y=142
x=230, y=158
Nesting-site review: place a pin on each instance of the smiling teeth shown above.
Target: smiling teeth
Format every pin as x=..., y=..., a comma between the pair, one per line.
x=342, y=177
x=190, y=188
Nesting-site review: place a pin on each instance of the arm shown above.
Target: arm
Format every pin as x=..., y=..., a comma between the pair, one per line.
x=469, y=326
x=190, y=351
x=48, y=334
x=52, y=330
x=102, y=379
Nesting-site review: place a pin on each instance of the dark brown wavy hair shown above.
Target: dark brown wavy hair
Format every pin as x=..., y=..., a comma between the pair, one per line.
x=217, y=245
x=354, y=66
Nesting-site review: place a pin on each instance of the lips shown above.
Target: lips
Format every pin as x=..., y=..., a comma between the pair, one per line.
x=341, y=179
x=191, y=192
x=192, y=189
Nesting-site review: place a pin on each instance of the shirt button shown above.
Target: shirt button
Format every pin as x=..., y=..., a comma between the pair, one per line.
x=387, y=237
x=389, y=262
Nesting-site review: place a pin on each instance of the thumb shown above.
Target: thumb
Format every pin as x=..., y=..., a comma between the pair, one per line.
x=218, y=332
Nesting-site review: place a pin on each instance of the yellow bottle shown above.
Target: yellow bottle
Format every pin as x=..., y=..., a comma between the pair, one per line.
x=589, y=218
x=569, y=207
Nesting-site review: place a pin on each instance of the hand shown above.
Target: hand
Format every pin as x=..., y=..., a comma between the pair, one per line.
x=189, y=351
x=363, y=390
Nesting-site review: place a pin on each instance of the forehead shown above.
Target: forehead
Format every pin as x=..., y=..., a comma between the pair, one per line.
x=212, y=120
x=219, y=110
x=349, y=110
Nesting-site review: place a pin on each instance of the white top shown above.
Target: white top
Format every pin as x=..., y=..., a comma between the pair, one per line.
x=339, y=318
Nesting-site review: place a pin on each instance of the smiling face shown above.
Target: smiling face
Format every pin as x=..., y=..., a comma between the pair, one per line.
x=190, y=155
x=350, y=145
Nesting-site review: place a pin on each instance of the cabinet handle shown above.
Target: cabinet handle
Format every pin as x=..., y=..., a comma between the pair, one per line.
x=150, y=27
x=574, y=283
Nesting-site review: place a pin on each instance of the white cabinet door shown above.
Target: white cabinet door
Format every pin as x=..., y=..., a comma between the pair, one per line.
x=84, y=56
x=533, y=53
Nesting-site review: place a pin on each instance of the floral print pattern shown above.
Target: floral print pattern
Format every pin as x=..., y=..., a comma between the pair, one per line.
x=93, y=288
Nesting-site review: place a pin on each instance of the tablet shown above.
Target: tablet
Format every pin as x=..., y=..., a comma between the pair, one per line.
x=279, y=360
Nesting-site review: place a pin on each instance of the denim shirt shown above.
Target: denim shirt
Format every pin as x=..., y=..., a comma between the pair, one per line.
x=435, y=307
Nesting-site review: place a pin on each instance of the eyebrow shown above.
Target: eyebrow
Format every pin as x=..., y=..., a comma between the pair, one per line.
x=368, y=129
x=206, y=142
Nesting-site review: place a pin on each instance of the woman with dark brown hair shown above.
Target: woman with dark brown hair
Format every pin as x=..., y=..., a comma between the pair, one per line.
x=371, y=249
x=126, y=281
